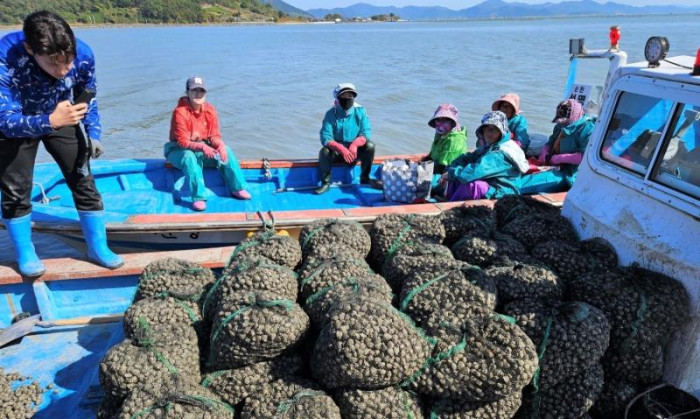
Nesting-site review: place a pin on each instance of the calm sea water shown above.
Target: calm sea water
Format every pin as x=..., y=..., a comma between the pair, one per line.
x=272, y=84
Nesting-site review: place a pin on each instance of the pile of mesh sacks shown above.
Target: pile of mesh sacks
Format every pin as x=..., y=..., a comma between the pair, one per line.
x=475, y=313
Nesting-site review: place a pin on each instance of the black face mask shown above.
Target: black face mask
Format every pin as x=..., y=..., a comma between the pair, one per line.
x=346, y=103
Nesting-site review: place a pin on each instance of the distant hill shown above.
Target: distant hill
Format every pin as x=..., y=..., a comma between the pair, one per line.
x=500, y=8
x=12, y=12
x=286, y=8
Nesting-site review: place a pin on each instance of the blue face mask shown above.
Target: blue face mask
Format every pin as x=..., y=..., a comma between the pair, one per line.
x=443, y=127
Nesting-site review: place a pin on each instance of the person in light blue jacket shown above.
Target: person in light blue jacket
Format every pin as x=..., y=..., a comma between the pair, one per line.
x=345, y=136
x=509, y=104
x=493, y=170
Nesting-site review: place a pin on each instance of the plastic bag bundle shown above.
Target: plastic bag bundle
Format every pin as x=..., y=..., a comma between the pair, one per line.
x=523, y=281
x=152, y=356
x=290, y=398
x=570, y=337
x=174, y=278
x=323, y=238
x=316, y=274
x=252, y=327
x=320, y=306
x=233, y=386
x=480, y=357
x=256, y=275
x=367, y=345
x=462, y=409
x=282, y=250
x=416, y=258
x=460, y=221
x=484, y=251
x=391, y=232
x=421, y=296
x=390, y=402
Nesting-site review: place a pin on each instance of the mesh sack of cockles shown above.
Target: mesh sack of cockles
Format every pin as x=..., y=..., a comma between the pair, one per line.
x=319, y=306
x=416, y=258
x=234, y=385
x=280, y=249
x=486, y=250
x=525, y=281
x=535, y=228
x=479, y=357
x=424, y=294
x=641, y=305
x=290, y=398
x=152, y=355
x=176, y=397
x=464, y=409
x=407, y=181
x=390, y=402
x=601, y=253
x=367, y=345
x=391, y=232
x=663, y=401
x=251, y=275
x=570, y=337
x=565, y=259
x=613, y=399
x=254, y=327
x=316, y=274
x=176, y=278
x=513, y=207
x=459, y=221
x=572, y=398
x=637, y=362
x=322, y=238
x=18, y=401
x=164, y=311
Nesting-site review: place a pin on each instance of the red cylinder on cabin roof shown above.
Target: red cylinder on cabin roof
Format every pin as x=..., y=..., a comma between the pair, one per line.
x=614, y=36
x=696, y=67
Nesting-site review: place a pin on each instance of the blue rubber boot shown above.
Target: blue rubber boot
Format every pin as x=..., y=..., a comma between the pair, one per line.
x=93, y=224
x=20, y=230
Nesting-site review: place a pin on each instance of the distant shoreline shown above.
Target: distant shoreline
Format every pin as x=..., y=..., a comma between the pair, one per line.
x=265, y=23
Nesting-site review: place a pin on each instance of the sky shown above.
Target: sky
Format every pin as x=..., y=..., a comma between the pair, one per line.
x=462, y=4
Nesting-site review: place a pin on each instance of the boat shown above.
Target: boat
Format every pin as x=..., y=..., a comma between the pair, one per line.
x=649, y=213
x=147, y=204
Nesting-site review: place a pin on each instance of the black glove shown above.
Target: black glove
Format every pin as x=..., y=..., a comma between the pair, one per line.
x=96, y=149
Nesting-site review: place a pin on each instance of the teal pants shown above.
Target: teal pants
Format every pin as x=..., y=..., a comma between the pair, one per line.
x=550, y=181
x=192, y=164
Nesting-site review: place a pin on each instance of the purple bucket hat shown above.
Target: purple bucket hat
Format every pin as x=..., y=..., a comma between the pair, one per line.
x=568, y=112
x=445, y=110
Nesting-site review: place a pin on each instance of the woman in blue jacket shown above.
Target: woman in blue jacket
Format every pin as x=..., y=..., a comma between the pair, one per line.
x=493, y=170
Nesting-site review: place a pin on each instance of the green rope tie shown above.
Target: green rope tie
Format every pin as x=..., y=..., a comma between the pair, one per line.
x=190, y=313
x=508, y=216
x=398, y=243
x=254, y=302
x=437, y=409
x=431, y=340
x=405, y=402
x=452, y=351
x=144, y=338
x=287, y=405
x=209, y=379
x=536, y=377
x=351, y=281
x=407, y=299
x=313, y=232
x=194, y=400
x=637, y=323
x=320, y=266
x=148, y=276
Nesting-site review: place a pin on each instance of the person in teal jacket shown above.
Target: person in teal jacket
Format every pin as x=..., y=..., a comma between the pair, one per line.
x=569, y=139
x=345, y=136
x=509, y=104
x=493, y=170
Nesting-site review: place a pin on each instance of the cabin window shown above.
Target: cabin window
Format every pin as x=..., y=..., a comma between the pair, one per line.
x=634, y=131
x=679, y=168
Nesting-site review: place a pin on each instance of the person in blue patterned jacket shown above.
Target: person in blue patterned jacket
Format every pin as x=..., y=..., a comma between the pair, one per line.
x=41, y=69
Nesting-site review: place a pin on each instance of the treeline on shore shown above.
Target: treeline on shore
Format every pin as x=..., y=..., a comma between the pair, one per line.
x=12, y=12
